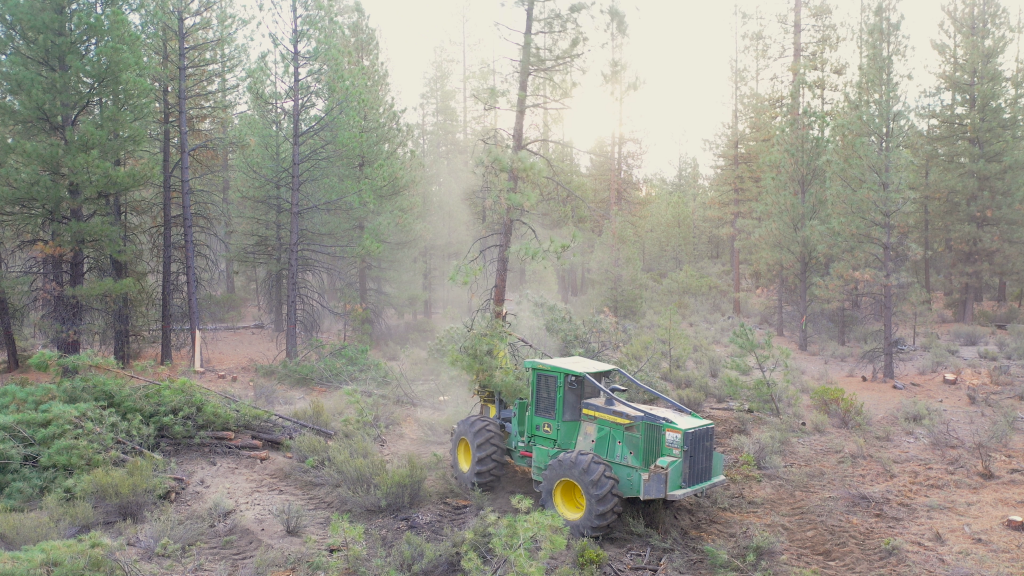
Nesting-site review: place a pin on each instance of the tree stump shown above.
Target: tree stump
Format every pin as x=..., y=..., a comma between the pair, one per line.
x=949, y=379
x=1015, y=523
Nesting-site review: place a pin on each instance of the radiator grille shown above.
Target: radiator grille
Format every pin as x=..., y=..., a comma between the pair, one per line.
x=653, y=438
x=699, y=455
x=544, y=403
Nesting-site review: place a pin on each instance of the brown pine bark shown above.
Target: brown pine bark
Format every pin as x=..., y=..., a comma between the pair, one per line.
x=291, y=330
x=167, y=252
x=508, y=221
x=7, y=326
x=225, y=169
x=191, y=282
x=122, y=311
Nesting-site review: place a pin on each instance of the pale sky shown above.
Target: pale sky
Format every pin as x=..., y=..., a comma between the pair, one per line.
x=679, y=48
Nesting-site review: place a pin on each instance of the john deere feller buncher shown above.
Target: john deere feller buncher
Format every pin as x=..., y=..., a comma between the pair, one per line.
x=586, y=447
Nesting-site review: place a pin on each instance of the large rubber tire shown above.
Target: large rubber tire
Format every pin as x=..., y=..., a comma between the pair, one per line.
x=584, y=491
x=478, y=452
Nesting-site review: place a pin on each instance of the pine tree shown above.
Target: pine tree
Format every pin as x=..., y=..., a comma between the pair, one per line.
x=373, y=146
x=876, y=169
x=74, y=85
x=973, y=143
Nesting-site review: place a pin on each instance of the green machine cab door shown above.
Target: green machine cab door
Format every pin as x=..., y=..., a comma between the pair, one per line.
x=545, y=404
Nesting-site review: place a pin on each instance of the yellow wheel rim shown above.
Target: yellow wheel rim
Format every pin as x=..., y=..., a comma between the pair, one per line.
x=569, y=499
x=465, y=455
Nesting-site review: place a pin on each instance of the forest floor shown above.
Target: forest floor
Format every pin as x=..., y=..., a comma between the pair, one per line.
x=887, y=498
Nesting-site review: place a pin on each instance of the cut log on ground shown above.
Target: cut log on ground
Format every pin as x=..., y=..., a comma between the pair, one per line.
x=261, y=456
x=220, y=435
x=236, y=444
x=949, y=379
x=272, y=438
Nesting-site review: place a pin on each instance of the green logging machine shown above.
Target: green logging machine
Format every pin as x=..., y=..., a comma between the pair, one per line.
x=587, y=448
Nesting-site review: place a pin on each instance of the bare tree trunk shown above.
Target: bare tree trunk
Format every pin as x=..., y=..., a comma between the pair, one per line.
x=967, y=310
x=291, y=330
x=122, y=319
x=841, y=340
x=888, y=309
x=225, y=169
x=803, y=305
x=70, y=342
x=192, y=287
x=779, y=331
x=7, y=326
x=167, y=252
x=427, y=285
x=1001, y=291
x=508, y=221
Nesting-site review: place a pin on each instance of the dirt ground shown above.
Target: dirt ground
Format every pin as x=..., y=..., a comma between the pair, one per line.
x=882, y=500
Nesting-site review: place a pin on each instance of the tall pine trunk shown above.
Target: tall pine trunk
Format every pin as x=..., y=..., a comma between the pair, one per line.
x=225, y=169
x=191, y=283
x=7, y=326
x=167, y=253
x=291, y=330
x=122, y=319
x=518, y=130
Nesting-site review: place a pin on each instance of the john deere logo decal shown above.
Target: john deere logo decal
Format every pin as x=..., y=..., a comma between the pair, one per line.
x=546, y=428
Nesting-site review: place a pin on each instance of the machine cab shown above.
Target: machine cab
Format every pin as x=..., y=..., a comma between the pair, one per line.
x=558, y=389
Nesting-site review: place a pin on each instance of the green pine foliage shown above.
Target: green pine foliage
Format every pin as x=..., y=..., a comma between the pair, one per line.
x=56, y=433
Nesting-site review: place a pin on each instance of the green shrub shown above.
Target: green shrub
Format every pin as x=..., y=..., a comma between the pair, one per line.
x=52, y=433
x=845, y=410
x=402, y=485
x=124, y=493
x=328, y=364
x=414, y=556
x=71, y=516
x=769, y=388
x=517, y=543
x=363, y=477
x=167, y=533
x=988, y=354
x=589, y=557
x=19, y=529
x=314, y=413
x=292, y=518
x=969, y=335
x=1011, y=345
x=692, y=398
x=914, y=413
x=765, y=448
x=85, y=556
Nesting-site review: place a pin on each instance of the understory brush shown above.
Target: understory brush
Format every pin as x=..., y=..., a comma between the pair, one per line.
x=844, y=410
x=86, y=555
x=1011, y=345
x=765, y=448
x=516, y=543
x=769, y=388
x=329, y=364
x=362, y=476
x=124, y=493
x=53, y=434
x=969, y=335
x=751, y=555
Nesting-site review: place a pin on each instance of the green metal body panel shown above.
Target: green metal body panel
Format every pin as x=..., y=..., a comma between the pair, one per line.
x=651, y=459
